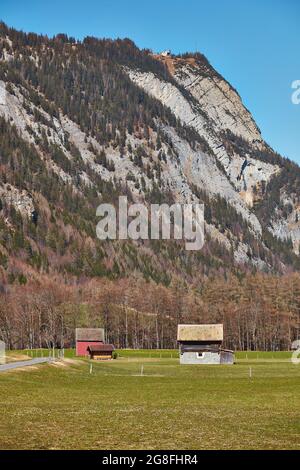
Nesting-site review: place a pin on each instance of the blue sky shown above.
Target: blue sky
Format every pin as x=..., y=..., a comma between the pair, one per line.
x=254, y=44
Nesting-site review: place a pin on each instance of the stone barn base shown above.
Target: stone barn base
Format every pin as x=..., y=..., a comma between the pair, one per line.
x=207, y=357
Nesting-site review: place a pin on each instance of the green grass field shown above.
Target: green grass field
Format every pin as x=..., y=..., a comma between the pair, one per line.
x=156, y=353
x=63, y=406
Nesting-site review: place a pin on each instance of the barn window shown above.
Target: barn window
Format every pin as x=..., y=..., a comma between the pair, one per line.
x=200, y=355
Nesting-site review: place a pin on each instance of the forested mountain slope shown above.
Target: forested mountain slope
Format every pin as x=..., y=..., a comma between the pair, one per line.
x=84, y=122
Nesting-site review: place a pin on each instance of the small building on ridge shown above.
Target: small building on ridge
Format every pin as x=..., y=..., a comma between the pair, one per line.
x=166, y=53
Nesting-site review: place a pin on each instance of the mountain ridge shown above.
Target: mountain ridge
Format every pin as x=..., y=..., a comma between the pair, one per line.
x=100, y=118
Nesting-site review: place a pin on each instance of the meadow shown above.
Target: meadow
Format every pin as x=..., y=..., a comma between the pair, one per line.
x=146, y=400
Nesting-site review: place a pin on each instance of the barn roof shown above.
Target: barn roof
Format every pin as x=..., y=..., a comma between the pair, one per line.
x=101, y=348
x=200, y=332
x=90, y=334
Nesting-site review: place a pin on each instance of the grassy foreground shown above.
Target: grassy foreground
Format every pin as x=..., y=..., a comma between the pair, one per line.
x=63, y=406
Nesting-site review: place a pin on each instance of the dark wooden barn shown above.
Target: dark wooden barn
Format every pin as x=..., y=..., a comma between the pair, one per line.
x=101, y=352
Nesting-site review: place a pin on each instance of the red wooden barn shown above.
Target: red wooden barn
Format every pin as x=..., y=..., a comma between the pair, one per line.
x=86, y=337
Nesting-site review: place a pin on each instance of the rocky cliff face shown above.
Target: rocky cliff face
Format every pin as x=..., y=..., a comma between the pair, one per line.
x=206, y=102
x=212, y=108
x=186, y=137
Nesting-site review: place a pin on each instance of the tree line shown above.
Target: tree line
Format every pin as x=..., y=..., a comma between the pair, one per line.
x=259, y=312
